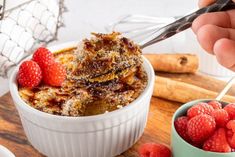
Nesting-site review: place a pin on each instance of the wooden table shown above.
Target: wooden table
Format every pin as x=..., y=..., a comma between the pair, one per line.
x=157, y=130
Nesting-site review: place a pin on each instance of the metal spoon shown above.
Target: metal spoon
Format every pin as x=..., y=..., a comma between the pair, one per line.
x=226, y=88
x=184, y=22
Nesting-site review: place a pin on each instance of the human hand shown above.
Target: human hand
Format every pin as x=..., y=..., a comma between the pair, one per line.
x=216, y=34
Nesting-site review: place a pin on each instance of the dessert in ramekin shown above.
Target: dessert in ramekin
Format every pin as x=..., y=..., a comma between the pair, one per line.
x=102, y=135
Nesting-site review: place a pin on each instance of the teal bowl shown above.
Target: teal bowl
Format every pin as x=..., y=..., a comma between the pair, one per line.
x=181, y=148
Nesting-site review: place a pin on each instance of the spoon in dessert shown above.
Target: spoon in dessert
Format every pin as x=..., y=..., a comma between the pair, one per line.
x=177, y=26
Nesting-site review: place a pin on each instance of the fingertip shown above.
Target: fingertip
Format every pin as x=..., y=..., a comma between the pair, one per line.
x=200, y=21
x=195, y=26
x=207, y=36
x=224, y=49
x=221, y=19
x=204, y=38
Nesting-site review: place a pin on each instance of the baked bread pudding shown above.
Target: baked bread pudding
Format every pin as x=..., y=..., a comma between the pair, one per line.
x=103, y=74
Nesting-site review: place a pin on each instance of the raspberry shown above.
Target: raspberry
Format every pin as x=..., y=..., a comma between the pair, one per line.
x=181, y=127
x=217, y=142
x=43, y=57
x=198, y=145
x=200, y=108
x=154, y=150
x=200, y=128
x=231, y=141
x=54, y=74
x=229, y=133
x=231, y=125
x=29, y=75
x=230, y=108
x=215, y=104
x=221, y=117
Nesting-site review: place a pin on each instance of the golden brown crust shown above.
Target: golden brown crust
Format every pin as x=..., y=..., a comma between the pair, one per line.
x=106, y=57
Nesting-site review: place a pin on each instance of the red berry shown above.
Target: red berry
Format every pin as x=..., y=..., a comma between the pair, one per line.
x=181, y=127
x=201, y=127
x=154, y=150
x=217, y=142
x=54, y=74
x=231, y=141
x=198, y=145
x=215, y=104
x=229, y=133
x=200, y=108
x=221, y=117
x=231, y=125
x=30, y=74
x=230, y=108
x=43, y=57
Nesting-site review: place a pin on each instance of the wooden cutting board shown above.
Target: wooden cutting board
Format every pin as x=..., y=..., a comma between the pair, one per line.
x=157, y=130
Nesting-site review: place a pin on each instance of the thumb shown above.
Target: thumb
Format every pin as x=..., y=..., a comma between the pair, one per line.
x=204, y=3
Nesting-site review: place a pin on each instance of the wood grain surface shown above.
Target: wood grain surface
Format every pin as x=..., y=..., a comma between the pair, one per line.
x=157, y=130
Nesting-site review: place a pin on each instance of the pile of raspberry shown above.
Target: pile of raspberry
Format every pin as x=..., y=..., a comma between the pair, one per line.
x=209, y=126
x=41, y=68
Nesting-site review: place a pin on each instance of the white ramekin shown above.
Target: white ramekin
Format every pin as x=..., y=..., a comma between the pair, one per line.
x=4, y=152
x=103, y=135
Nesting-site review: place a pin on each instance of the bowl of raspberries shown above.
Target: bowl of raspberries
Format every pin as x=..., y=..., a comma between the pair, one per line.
x=204, y=128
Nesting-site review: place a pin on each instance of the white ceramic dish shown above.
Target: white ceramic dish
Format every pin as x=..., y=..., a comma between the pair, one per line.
x=4, y=152
x=103, y=135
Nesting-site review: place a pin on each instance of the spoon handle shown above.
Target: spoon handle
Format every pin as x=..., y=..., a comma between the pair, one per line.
x=226, y=88
x=185, y=22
